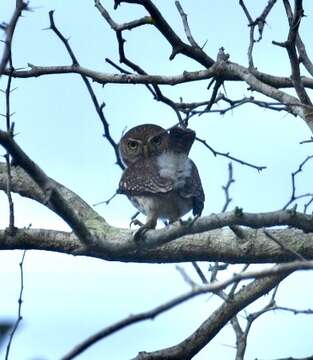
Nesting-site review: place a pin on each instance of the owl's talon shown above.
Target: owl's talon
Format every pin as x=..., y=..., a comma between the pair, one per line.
x=189, y=222
x=138, y=235
x=135, y=222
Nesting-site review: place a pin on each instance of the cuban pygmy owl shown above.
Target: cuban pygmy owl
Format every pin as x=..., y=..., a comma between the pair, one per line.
x=160, y=180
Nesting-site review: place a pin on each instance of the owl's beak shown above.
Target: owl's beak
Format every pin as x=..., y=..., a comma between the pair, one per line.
x=145, y=151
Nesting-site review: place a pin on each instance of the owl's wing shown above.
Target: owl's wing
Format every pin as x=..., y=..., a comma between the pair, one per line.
x=143, y=178
x=181, y=139
x=193, y=189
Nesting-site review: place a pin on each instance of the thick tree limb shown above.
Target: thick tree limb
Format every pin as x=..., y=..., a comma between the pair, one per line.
x=206, y=239
x=216, y=245
x=51, y=193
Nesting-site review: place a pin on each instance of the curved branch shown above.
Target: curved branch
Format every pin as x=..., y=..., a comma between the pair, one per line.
x=186, y=76
x=178, y=46
x=219, y=318
x=209, y=328
x=20, y=6
x=49, y=190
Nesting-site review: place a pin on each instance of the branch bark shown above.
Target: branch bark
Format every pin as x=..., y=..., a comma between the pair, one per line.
x=207, y=239
x=219, y=318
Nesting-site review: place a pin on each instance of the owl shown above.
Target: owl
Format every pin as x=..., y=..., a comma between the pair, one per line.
x=160, y=180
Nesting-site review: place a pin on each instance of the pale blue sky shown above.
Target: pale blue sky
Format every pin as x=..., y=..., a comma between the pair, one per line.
x=67, y=298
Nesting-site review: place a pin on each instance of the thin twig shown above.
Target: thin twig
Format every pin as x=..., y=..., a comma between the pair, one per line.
x=20, y=302
x=183, y=16
x=293, y=196
x=226, y=187
x=99, y=108
x=227, y=155
x=284, y=247
x=258, y=22
x=107, y=202
x=199, y=272
x=146, y=20
x=158, y=95
x=186, y=277
x=9, y=30
x=10, y=130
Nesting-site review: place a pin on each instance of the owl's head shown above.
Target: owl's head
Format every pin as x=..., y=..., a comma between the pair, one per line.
x=142, y=142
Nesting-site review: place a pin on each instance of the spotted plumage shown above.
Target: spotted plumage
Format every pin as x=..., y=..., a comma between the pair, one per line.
x=160, y=180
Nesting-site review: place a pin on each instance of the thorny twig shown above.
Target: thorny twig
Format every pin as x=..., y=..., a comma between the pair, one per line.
x=227, y=155
x=153, y=88
x=259, y=22
x=10, y=130
x=99, y=108
x=20, y=302
x=294, y=311
x=290, y=45
x=226, y=187
x=190, y=108
x=303, y=56
x=293, y=196
x=9, y=30
x=158, y=95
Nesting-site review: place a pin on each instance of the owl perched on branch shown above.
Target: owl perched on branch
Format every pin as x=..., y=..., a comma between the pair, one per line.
x=160, y=180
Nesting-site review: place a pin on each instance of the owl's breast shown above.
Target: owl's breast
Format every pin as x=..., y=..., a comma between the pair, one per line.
x=169, y=206
x=177, y=167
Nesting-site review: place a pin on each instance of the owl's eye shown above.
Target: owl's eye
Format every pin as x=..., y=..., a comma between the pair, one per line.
x=156, y=140
x=132, y=145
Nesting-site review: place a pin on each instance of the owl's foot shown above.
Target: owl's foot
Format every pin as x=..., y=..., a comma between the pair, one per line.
x=138, y=235
x=135, y=221
x=150, y=224
x=189, y=222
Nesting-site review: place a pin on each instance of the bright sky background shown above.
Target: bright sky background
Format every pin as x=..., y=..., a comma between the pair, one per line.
x=67, y=299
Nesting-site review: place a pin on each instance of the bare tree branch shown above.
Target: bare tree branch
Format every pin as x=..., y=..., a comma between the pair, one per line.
x=99, y=108
x=227, y=155
x=9, y=29
x=258, y=22
x=19, y=312
x=219, y=318
x=146, y=20
x=293, y=196
x=210, y=327
x=178, y=46
x=186, y=25
x=51, y=193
